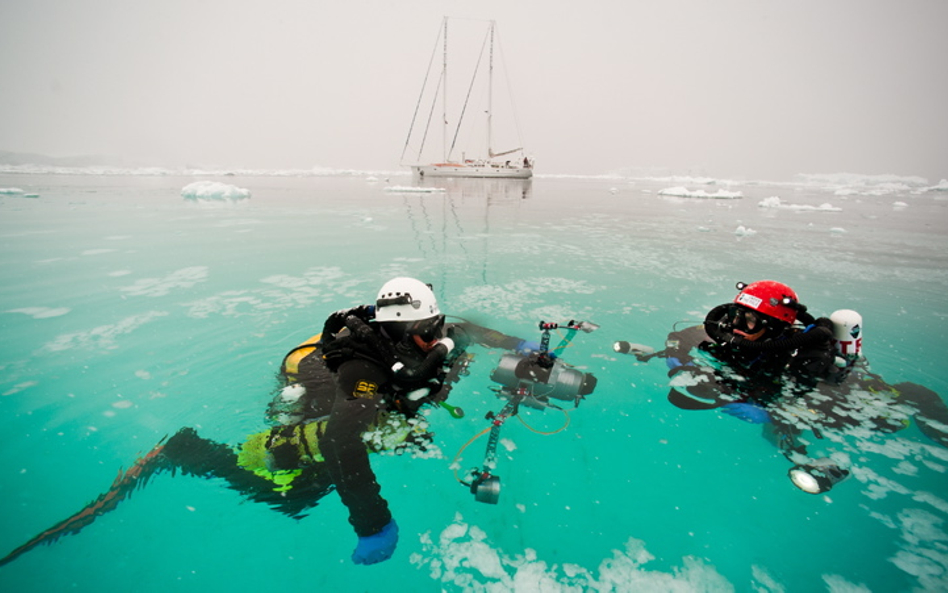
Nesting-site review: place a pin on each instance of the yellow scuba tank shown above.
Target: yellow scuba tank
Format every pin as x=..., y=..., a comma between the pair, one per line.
x=291, y=362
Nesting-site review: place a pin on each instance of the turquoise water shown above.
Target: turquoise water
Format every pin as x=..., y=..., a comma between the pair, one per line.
x=128, y=312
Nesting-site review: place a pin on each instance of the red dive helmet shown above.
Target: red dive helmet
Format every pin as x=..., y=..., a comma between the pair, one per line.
x=769, y=298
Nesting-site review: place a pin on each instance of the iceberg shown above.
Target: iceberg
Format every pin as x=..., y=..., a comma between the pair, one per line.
x=214, y=190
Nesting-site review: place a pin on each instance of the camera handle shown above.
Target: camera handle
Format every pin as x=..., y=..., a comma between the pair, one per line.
x=485, y=486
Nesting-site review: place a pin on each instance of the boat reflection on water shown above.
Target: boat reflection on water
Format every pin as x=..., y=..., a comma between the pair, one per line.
x=491, y=190
x=457, y=225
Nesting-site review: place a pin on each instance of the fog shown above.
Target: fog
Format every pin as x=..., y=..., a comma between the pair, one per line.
x=737, y=88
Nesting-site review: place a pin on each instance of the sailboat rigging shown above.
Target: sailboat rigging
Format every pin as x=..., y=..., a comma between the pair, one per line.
x=491, y=163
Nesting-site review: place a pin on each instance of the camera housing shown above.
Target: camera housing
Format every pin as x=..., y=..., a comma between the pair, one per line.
x=530, y=378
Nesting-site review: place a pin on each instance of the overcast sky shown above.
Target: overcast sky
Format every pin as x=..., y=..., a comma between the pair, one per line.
x=729, y=88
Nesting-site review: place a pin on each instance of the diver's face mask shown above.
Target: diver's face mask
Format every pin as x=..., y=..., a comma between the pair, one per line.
x=424, y=333
x=747, y=323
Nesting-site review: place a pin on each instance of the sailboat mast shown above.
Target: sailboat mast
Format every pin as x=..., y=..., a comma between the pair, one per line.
x=490, y=93
x=444, y=96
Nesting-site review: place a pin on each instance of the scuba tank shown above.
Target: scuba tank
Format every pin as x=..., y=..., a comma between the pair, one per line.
x=847, y=339
x=847, y=333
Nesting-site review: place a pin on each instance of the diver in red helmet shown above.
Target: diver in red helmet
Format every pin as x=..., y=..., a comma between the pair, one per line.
x=764, y=359
x=756, y=333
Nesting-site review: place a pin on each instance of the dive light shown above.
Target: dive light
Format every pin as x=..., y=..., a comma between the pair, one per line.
x=817, y=476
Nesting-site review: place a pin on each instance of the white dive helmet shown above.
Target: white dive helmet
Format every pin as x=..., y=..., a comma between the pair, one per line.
x=405, y=299
x=847, y=333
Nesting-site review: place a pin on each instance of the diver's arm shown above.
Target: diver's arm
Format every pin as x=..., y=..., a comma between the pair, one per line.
x=347, y=459
x=465, y=333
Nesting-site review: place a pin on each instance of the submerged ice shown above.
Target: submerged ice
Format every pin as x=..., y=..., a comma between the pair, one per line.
x=464, y=557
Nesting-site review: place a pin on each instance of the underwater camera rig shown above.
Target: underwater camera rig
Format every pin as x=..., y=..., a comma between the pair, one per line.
x=532, y=380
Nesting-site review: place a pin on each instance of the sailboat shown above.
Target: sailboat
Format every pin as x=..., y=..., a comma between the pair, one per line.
x=508, y=163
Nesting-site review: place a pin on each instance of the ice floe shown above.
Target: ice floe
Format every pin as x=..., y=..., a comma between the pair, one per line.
x=20, y=387
x=683, y=192
x=743, y=231
x=155, y=287
x=214, y=190
x=102, y=337
x=15, y=192
x=41, y=312
x=941, y=186
x=775, y=202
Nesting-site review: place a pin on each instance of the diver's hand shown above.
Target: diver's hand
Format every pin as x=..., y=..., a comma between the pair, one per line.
x=372, y=549
x=747, y=412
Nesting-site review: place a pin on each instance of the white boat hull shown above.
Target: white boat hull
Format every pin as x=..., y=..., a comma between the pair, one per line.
x=461, y=170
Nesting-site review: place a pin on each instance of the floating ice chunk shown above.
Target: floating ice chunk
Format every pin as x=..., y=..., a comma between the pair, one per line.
x=103, y=337
x=42, y=312
x=899, y=205
x=20, y=387
x=883, y=189
x=214, y=190
x=835, y=582
x=15, y=192
x=155, y=287
x=683, y=192
x=838, y=230
x=742, y=231
x=942, y=186
x=413, y=190
x=774, y=202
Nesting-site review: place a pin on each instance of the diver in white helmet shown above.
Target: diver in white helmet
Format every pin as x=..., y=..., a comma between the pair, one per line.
x=387, y=358
x=367, y=374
